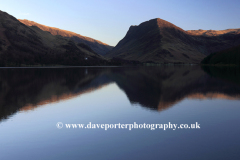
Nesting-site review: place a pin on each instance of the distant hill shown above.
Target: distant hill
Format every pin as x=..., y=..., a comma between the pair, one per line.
x=21, y=44
x=230, y=56
x=157, y=40
x=201, y=32
x=97, y=46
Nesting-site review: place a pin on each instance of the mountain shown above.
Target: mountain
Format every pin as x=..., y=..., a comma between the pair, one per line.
x=21, y=44
x=157, y=40
x=97, y=46
x=230, y=56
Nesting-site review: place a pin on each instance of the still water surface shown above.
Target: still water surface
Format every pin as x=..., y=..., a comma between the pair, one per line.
x=33, y=100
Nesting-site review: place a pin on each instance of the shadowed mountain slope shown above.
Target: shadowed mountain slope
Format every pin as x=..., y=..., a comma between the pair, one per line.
x=21, y=44
x=97, y=46
x=230, y=56
x=157, y=40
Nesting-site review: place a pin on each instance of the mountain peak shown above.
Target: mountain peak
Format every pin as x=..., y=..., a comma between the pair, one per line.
x=165, y=24
x=160, y=24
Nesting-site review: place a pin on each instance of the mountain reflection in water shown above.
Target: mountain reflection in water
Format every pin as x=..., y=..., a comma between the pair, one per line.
x=156, y=88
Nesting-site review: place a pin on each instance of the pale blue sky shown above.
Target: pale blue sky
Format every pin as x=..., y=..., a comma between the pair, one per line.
x=109, y=21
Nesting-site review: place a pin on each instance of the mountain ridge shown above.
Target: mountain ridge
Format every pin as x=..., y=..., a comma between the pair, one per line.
x=97, y=46
x=210, y=32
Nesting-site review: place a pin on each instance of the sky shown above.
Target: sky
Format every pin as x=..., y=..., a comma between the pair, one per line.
x=109, y=20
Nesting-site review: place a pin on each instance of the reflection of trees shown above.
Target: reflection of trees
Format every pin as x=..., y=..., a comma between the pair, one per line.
x=231, y=74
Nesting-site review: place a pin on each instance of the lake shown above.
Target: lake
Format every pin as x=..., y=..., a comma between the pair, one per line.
x=39, y=105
